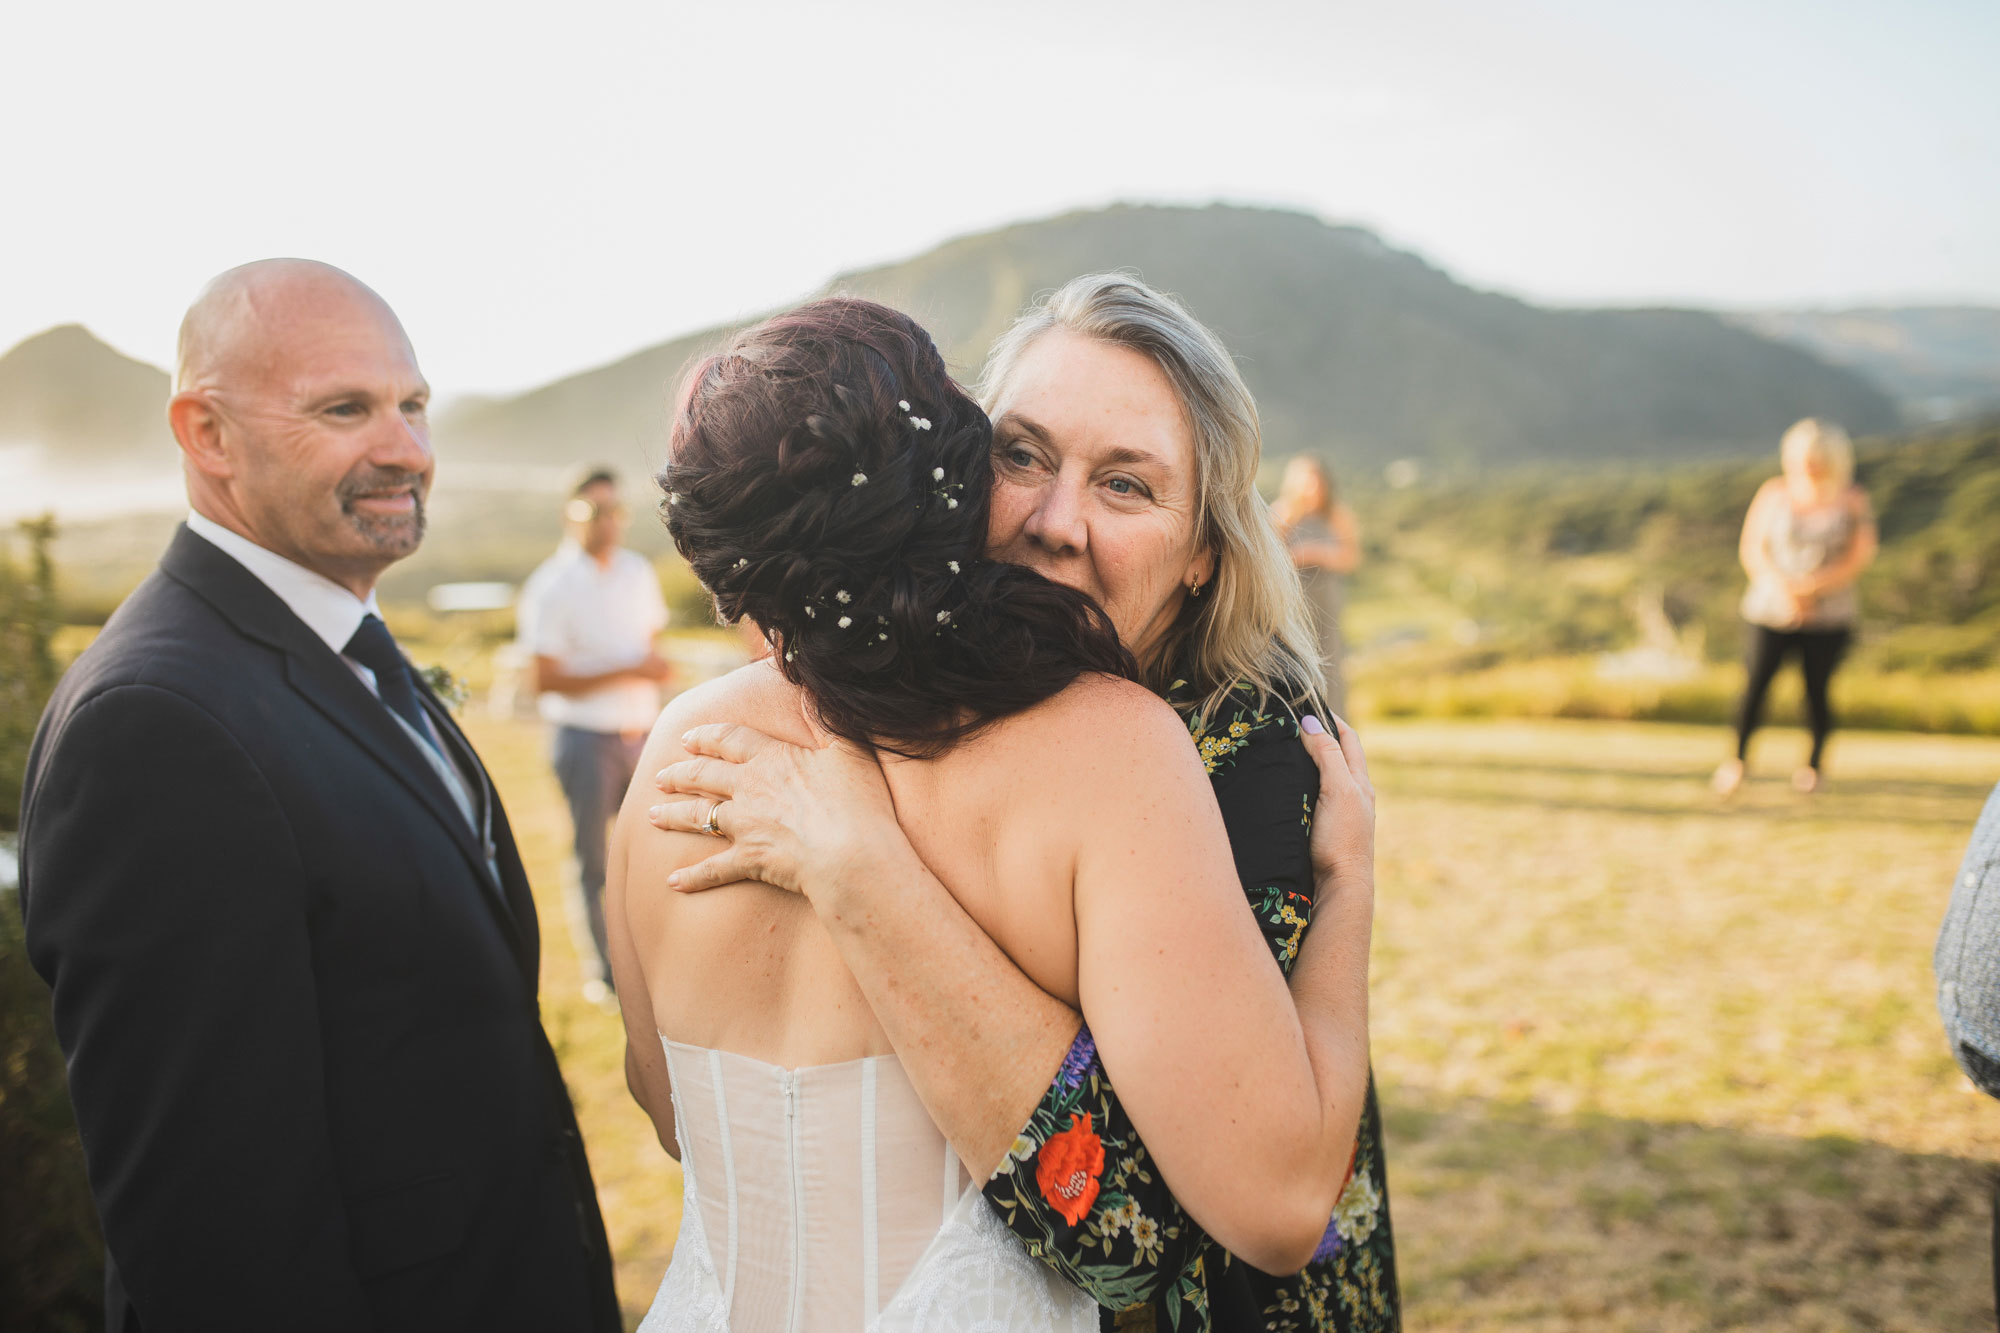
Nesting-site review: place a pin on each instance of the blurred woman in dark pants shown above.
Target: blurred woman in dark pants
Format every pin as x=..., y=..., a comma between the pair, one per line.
x=1809, y=534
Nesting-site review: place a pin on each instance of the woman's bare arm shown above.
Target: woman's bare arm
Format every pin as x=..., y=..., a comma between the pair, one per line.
x=1249, y=1112
x=1348, y=530
x=1756, y=522
x=821, y=821
x=979, y=1040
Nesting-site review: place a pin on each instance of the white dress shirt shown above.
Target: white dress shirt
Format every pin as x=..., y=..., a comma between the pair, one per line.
x=593, y=618
x=333, y=613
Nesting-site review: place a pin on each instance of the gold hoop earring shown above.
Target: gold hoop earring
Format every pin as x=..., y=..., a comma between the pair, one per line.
x=1194, y=589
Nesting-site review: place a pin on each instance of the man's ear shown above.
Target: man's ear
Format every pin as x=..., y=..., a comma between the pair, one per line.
x=197, y=428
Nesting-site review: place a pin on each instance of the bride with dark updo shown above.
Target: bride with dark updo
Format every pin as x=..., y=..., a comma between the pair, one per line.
x=828, y=481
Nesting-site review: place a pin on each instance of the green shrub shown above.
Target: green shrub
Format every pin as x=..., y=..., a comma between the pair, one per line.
x=27, y=660
x=1535, y=568
x=51, y=1258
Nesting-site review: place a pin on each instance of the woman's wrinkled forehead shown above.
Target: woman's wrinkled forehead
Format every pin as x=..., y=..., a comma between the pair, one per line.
x=1086, y=393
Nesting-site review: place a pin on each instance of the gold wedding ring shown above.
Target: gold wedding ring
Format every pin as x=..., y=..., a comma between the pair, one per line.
x=708, y=824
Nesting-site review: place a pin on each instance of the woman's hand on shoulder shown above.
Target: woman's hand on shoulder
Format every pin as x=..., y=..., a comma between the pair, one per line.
x=1343, y=834
x=800, y=818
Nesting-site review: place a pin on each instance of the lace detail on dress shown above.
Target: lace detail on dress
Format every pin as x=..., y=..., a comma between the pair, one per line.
x=805, y=1159
x=690, y=1298
x=976, y=1276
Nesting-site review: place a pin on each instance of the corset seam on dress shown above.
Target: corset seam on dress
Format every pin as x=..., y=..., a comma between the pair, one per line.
x=728, y=1174
x=871, y=1290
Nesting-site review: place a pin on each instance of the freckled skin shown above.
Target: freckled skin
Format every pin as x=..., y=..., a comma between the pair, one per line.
x=1094, y=482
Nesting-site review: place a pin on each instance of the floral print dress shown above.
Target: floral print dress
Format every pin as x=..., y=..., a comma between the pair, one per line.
x=1080, y=1189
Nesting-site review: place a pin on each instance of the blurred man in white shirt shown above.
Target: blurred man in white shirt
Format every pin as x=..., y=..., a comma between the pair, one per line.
x=590, y=615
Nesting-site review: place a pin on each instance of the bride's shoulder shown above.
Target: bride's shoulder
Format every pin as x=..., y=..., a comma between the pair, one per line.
x=754, y=694
x=1095, y=701
x=1099, y=721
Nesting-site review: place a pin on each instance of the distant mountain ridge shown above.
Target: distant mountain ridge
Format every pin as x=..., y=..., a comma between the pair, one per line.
x=1939, y=362
x=1352, y=348
x=82, y=401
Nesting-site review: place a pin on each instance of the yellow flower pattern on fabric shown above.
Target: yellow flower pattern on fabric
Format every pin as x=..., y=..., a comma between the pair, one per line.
x=1134, y=1250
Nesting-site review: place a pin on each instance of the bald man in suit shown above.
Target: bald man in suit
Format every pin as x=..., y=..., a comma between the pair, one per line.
x=291, y=944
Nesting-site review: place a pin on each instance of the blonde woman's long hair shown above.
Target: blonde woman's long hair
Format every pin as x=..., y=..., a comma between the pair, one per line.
x=1250, y=626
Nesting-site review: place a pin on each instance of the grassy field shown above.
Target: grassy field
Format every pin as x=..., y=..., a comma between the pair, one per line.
x=1647, y=1062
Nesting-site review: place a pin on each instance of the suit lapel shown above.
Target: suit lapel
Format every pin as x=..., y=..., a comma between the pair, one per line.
x=319, y=675
x=494, y=835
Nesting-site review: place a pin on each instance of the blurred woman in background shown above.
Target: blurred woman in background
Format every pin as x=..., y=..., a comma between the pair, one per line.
x=1325, y=543
x=1809, y=534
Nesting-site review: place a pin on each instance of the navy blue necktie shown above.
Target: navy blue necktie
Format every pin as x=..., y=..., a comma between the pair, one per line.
x=375, y=648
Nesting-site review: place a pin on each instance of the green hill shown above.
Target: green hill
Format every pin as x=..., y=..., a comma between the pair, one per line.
x=1351, y=347
x=1464, y=581
x=82, y=401
x=1939, y=361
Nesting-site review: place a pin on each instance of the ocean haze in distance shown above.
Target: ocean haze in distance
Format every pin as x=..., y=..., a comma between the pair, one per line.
x=1355, y=349
x=539, y=191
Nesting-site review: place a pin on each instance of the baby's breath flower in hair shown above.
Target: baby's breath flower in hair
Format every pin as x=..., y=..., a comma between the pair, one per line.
x=859, y=479
x=845, y=621
x=842, y=597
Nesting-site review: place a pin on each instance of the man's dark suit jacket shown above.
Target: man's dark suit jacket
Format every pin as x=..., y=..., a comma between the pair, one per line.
x=299, y=1011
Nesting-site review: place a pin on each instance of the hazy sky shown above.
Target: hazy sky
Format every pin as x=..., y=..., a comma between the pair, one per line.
x=540, y=187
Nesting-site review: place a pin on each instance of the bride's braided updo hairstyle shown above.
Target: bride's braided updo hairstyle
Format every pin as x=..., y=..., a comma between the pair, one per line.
x=828, y=480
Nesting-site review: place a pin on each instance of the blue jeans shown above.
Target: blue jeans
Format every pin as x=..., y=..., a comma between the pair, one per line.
x=594, y=769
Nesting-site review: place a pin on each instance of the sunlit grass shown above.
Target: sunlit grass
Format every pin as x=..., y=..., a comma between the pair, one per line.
x=1653, y=1062
x=1647, y=1062
x=1391, y=686
x=638, y=1185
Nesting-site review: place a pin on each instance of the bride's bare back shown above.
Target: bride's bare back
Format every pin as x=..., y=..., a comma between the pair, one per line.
x=819, y=1188
x=752, y=970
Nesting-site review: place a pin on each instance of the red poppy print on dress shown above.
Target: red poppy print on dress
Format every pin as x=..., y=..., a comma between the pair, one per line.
x=1069, y=1165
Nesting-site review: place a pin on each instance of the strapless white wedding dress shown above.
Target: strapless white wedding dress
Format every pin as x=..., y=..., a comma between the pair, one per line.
x=824, y=1198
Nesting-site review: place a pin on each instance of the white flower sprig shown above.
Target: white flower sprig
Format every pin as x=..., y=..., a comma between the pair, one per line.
x=450, y=690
